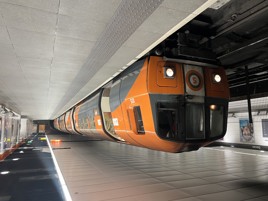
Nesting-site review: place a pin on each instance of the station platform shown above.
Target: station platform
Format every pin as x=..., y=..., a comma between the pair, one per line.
x=102, y=170
x=29, y=174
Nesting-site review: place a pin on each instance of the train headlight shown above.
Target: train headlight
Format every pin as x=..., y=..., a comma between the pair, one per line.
x=169, y=72
x=217, y=78
x=213, y=107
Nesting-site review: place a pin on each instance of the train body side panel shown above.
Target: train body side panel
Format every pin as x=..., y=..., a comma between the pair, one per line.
x=158, y=83
x=119, y=92
x=68, y=121
x=72, y=129
x=56, y=124
x=111, y=112
x=214, y=89
x=62, y=123
x=88, y=119
x=135, y=98
x=99, y=128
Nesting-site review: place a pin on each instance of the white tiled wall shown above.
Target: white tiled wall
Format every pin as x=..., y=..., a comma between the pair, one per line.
x=233, y=129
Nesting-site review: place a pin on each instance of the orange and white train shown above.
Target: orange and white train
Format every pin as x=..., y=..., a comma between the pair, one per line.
x=158, y=103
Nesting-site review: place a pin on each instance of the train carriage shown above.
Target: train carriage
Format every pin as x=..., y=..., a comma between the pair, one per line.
x=158, y=103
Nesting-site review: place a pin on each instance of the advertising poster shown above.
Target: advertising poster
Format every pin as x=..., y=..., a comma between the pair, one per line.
x=0, y=127
x=264, y=128
x=246, y=131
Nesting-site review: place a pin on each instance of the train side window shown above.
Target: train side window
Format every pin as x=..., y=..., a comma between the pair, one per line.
x=167, y=120
x=138, y=119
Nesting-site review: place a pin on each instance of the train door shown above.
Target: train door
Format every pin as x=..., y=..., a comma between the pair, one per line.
x=108, y=121
x=73, y=129
x=194, y=103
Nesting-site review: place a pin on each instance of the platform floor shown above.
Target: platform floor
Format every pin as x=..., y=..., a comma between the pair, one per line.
x=101, y=170
x=29, y=173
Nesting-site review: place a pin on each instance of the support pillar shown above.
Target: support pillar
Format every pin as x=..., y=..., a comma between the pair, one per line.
x=37, y=128
x=248, y=96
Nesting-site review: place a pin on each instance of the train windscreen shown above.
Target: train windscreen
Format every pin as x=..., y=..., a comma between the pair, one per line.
x=195, y=121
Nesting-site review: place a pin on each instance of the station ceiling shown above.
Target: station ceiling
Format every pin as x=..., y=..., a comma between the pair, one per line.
x=54, y=53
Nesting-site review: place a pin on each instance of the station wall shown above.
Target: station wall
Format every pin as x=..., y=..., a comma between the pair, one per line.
x=236, y=126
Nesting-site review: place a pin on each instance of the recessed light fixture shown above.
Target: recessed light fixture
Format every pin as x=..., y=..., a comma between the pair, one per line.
x=4, y=172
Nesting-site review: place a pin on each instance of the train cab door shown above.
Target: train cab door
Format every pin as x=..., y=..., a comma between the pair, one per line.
x=108, y=121
x=194, y=102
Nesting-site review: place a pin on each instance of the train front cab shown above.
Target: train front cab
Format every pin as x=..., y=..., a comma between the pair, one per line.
x=170, y=106
x=195, y=110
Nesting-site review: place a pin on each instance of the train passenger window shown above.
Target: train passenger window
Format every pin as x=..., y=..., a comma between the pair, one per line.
x=216, y=120
x=138, y=119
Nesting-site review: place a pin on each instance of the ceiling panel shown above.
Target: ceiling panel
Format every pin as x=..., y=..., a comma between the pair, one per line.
x=31, y=39
x=2, y=21
x=4, y=37
x=184, y=5
x=159, y=17
x=10, y=71
x=37, y=53
x=100, y=10
x=36, y=73
x=72, y=48
x=34, y=62
x=84, y=28
x=47, y=5
x=7, y=50
x=62, y=76
x=7, y=60
x=26, y=18
x=138, y=38
x=39, y=85
x=66, y=66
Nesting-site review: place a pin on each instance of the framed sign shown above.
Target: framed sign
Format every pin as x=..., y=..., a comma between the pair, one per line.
x=246, y=131
x=264, y=128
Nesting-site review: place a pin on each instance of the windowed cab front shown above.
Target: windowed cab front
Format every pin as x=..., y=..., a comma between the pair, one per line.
x=197, y=114
x=174, y=106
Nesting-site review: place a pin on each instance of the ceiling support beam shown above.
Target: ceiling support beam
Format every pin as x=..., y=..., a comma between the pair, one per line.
x=248, y=97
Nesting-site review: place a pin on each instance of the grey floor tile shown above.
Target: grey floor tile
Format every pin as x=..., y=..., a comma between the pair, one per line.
x=114, y=185
x=123, y=192
x=188, y=199
x=194, y=170
x=164, y=173
x=259, y=190
x=207, y=173
x=176, y=177
x=251, y=174
x=240, y=183
x=188, y=183
x=255, y=199
x=204, y=189
x=220, y=178
x=264, y=198
x=157, y=196
x=226, y=195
